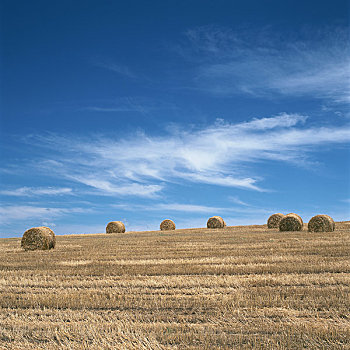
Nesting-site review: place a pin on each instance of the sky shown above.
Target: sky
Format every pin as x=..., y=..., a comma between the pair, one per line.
x=141, y=111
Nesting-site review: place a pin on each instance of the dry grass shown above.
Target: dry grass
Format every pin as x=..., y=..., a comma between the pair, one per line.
x=244, y=288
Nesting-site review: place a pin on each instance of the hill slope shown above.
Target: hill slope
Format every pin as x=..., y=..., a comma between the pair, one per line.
x=238, y=287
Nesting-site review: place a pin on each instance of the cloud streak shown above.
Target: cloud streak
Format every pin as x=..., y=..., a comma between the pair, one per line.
x=234, y=63
x=223, y=154
x=106, y=187
x=39, y=191
x=24, y=212
x=131, y=104
x=191, y=208
x=120, y=69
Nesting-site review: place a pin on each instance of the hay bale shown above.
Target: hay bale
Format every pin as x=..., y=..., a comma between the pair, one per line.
x=331, y=220
x=215, y=222
x=38, y=238
x=167, y=225
x=297, y=216
x=321, y=223
x=274, y=220
x=291, y=222
x=115, y=227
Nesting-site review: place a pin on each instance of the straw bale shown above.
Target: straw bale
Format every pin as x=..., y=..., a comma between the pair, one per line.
x=38, y=238
x=115, y=227
x=332, y=221
x=297, y=216
x=321, y=223
x=274, y=220
x=215, y=222
x=167, y=225
x=291, y=222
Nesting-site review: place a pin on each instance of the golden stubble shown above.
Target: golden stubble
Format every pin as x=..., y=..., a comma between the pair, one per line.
x=236, y=287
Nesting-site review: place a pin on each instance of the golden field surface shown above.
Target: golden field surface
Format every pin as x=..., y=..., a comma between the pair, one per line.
x=241, y=287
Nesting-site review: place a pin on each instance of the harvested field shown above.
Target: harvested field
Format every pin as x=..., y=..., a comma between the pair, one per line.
x=243, y=287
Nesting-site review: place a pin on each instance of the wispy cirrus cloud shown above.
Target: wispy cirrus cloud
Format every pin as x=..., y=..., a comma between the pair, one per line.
x=106, y=187
x=24, y=212
x=190, y=208
x=130, y=104
x=37, y=191
x=223, y=154
x=236, y=200
x=232, y=62
x=110, y=109
x=115, y=67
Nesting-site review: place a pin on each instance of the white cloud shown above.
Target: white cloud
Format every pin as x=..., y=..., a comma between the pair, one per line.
x=24, y=212
x=222, y=154
x=283, y=120
x=187, y=208
x=236, y=200
x=108, y=188
x=126, y=104
x=109, y=109
x=48, y=224
x=213, y=178
x=116, y=68
x=130, y=104
x=37, y=191
x=191, y=208
x=263, y=65
x=173, y=207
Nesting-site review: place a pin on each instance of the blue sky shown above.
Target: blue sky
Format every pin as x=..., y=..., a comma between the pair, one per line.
x=140, y=111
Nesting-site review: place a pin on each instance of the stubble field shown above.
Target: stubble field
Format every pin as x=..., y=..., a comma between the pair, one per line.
x=242, y=287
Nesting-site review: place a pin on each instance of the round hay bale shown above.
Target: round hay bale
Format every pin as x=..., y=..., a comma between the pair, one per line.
x=115, y=227
x=297, y=216
x=274, y=220
x=38, y=238
x=215, y=222
x=291, y=223
x=331, y=220
x=321, y=223
x=167, y=225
